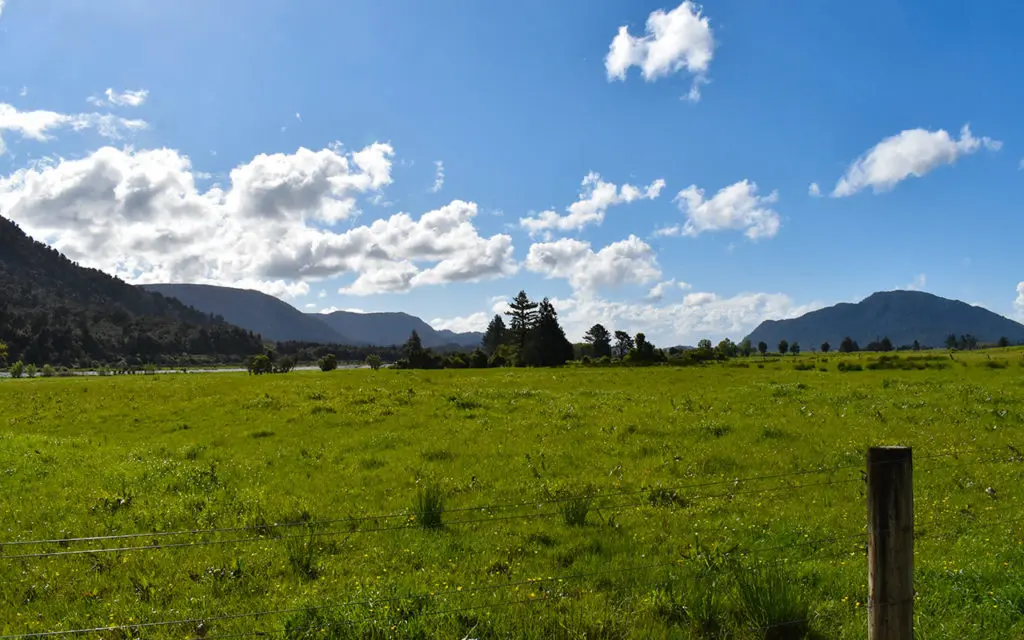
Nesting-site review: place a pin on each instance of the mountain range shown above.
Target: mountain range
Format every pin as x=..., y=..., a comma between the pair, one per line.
x=278, y=321
x=901, y=316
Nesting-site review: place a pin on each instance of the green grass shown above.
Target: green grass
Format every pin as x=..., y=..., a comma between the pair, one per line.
x=592, y=470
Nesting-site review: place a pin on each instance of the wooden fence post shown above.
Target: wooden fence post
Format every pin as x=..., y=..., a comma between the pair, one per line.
x=891, y=544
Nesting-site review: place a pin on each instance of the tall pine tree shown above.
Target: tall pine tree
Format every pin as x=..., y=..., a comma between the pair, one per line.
x=496, y=335
x=600, y=339
x=522, y=313
x=546, y=345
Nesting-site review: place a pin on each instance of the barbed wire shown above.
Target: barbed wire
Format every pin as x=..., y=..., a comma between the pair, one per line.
x=355, y=603
x=408, y=524
x=821, y=469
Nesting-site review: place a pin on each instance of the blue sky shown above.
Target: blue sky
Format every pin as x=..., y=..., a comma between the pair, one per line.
x=190, y=169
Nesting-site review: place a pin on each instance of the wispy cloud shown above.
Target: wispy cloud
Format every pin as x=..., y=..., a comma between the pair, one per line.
x=438, y=176
x=127, y=98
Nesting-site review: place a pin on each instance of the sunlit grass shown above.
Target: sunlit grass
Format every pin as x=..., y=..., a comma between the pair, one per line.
x=592, y=470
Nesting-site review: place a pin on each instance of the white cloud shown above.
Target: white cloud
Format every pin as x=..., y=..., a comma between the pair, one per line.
x=438, y=176
x=140, y=216
x=464, y=324
x=1019, y=302
x=814, y=190
x=659, y=290
x=628, y=261
x=595, y=199
x=1, y=7
x=310, y=305
x=298, y=116
x=23, y=92
x=127, y=98
x=735, y=207
x=913, y=152
x=41, y=125
x=918, y=283
x=677, y=40
x=699, y=315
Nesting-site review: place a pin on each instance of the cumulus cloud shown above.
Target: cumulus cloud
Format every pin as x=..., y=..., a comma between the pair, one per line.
x=918, y=283
x=41, y=125
x=736, y=207
x=596, y=197
x=699, y=315
x=438, y=176
x=140, y=216
x=628, y=261
x=127, y=98
x=659, y=290
x=464, y=324
x=677, y=40
x=1019, y=302
x=913, y=152
x=814, y=190
x=1, y=7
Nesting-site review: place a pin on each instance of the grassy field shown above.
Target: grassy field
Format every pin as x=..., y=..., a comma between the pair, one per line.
x=620, y=500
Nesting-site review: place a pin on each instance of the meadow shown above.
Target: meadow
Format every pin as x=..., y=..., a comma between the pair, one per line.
x=717, y=501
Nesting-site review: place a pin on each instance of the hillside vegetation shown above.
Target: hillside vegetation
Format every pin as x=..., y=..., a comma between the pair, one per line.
x=53, y=311
x=722, y=500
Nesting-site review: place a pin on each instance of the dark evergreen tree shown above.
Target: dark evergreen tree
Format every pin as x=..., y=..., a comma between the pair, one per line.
x=795, y=348
x=522, y=315
x=600, y=339
x=546, y=344
x=783, y=347
x=762, y=348
x=848, y=345
x=495, y=336
x=825, y=347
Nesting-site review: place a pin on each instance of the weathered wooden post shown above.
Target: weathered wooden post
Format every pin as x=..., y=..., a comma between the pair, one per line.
x=891, y=544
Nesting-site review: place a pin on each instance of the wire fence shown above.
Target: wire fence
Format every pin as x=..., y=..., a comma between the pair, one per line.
x=551, y=589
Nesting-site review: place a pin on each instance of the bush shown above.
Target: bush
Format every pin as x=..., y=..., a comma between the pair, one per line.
x=428, y=508
x=804, y=366
x=284, y=364
x=585, y=360
x=30, y=370
x=17, y=369
x=478, y=359
x=328, y=363
x=150, y=369
x=48, y=371
x=373, y=361
x=849, y=366
x=102, y=371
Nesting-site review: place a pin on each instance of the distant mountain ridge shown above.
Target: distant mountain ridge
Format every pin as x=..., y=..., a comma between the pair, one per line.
x=277, y=320
x=272, y=318
x=389, y=328
x=902, y=316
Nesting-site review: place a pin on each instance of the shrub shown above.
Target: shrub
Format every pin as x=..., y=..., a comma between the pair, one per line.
x=804, y=366
x=30, y=370
x=284, y=365
x=991, y=364
x=17, y=369
x=849, y=366
x=102, y=371
x=373, y=361
x=150, y=369
x=48, y=371
x=478, y=359
x=328, y=363
x=585, y=360
x=428, y=508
